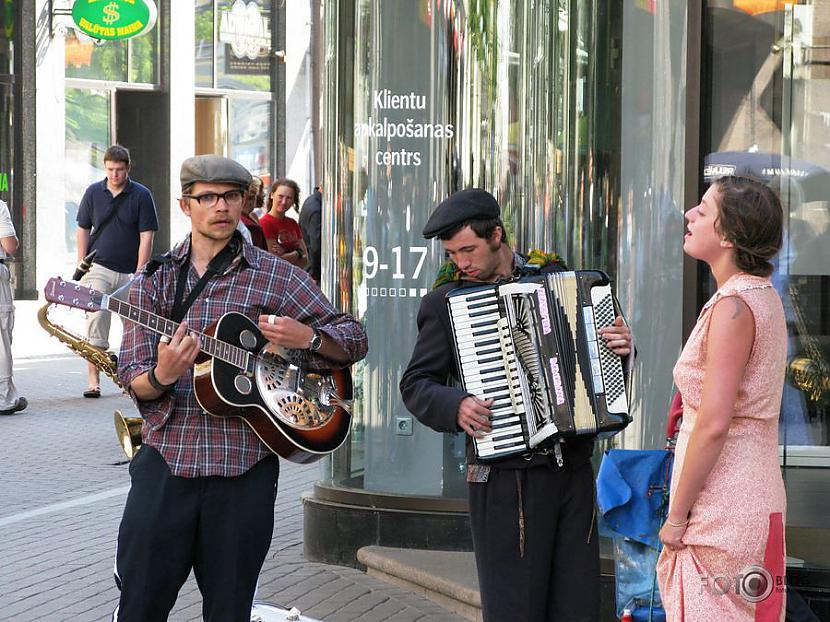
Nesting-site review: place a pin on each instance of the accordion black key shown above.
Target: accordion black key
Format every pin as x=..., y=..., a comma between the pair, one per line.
x=533, y=346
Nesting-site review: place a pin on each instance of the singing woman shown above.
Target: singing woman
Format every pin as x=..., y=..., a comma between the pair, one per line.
x=723, y=555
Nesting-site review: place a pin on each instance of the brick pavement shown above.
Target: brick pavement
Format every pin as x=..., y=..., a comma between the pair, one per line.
x=63, y=482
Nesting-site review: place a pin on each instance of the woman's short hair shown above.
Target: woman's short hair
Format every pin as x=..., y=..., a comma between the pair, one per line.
x=751, y=217
x=284, y=181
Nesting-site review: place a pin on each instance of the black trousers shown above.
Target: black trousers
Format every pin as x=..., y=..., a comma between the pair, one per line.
x=557, y=577
x=220, y=527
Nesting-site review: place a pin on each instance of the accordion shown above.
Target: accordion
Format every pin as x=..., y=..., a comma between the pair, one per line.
x=533, y=346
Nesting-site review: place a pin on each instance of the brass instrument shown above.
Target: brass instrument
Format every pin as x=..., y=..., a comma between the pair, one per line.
x=810, y=371
x=104, y=361
x=127, y=429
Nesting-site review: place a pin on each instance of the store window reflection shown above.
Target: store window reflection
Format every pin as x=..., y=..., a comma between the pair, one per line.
x=204, y=43
x=87, y=138
x=7, y=105
x=130, y=60
x=250, y=136
x=508, y=97
x=243, y=44
x=768, y=103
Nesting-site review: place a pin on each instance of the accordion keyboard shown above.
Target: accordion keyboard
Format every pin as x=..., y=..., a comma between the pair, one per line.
x=487, y=366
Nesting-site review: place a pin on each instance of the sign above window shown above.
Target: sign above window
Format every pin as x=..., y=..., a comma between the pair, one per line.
x=247, y=34
x=114, y=19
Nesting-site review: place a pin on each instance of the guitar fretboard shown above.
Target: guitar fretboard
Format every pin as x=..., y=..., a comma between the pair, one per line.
x=214, y=347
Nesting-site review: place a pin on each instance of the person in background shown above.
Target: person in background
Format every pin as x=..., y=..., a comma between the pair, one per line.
x=311, y=225
x=727, y=499
x=10, y=401
x=117, y=218
x=283, y=234
x=254, y=198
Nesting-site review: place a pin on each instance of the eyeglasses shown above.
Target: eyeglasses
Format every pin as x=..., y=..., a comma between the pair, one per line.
x=232, y=198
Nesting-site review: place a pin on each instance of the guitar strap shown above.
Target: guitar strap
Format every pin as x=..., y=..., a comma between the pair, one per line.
x=216, y=266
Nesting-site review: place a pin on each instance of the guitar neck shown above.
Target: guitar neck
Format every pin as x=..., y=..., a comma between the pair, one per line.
x=209, y=345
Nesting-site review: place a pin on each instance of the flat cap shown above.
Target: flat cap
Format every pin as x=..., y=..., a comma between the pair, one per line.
x=213, y=169
x=458, y=208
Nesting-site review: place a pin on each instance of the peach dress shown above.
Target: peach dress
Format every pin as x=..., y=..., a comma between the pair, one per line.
x=735, y=538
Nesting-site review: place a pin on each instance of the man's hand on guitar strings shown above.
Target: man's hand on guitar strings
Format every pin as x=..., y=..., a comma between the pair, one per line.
x=474, y=416
x=177, y=356
x=285, y=331
x=618, y=337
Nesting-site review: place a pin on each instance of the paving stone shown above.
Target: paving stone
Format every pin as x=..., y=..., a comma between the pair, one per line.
x=58, y=560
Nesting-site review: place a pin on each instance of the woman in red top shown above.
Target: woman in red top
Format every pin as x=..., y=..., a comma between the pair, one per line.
x=283, y=234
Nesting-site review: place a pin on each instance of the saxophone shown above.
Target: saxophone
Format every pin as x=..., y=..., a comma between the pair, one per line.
x=127, y=429
x=106, y=362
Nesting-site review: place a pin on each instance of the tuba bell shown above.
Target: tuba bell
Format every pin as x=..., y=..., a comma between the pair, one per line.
x=128, y=431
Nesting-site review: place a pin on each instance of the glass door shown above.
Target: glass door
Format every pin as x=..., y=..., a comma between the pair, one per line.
x=804, y=268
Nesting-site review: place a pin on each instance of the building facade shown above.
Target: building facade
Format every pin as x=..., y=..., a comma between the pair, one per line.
x=212, y=76
x=596, y=124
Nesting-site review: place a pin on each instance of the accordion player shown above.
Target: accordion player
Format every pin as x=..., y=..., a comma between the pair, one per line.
x=533, y=347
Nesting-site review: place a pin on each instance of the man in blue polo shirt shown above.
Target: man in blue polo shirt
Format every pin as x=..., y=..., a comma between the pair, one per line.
x=117, y=218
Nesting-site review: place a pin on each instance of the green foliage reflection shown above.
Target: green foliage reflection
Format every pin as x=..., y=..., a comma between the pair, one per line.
x=87, y=120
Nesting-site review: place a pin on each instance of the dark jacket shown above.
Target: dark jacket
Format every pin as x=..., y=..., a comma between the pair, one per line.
x=310, y=225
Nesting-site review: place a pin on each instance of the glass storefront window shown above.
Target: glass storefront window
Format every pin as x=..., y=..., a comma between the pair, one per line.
x=87, y=138
x=496, y=100
x=243, y=45
x=250, y=135
x=143, y=54
x=7, y=105
x=767, y=97
x=85, y=59
x=204, y=43
x=131, y=60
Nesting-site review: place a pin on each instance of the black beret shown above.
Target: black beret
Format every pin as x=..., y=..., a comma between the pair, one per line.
x=458, y=208
x=213, y=169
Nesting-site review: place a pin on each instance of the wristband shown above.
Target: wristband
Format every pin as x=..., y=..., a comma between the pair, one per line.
x=154, y=382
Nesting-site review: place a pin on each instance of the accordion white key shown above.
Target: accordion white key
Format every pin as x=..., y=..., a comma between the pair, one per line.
x=533, y=346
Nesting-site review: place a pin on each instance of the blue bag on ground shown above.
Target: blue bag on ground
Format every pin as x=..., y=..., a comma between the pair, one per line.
x=632, y=495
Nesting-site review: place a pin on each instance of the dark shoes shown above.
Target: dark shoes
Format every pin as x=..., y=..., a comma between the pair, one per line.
x=95, y=392
x=19, y=405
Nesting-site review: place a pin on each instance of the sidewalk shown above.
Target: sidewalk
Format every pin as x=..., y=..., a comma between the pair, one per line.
x=63, y=483
x=29, y=339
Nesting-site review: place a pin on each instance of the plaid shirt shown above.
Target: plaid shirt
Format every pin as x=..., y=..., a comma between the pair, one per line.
x=193, y=443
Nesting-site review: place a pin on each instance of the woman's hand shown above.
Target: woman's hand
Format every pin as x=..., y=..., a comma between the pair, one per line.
x=672, y=537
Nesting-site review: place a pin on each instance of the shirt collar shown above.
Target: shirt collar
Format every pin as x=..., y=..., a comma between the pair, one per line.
x=127, y=189
x=182, y=251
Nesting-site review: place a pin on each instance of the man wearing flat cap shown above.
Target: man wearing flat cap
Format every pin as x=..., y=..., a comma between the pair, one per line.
x=203, y=487
x=532, y=516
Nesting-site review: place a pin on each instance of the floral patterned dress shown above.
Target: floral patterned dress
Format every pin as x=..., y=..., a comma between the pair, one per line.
x=733, y=566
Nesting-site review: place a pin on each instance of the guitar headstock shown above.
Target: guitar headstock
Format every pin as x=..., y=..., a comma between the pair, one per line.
x=71, y=294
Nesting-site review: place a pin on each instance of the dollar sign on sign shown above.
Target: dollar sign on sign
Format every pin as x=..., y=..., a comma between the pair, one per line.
x=111, y=13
